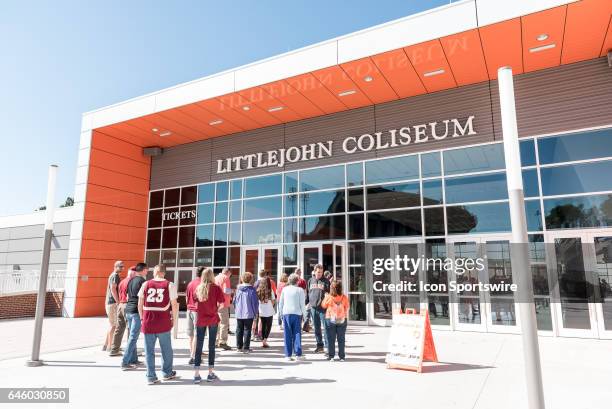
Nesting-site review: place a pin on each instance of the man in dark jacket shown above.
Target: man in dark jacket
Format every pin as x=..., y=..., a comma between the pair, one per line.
x=318, y=286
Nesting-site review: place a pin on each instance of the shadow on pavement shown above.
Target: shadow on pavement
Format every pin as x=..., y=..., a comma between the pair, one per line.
x=271, y=382
x=452, y=366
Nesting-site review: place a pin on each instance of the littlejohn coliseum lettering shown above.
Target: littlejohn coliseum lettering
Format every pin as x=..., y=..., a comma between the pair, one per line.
x=392, y=138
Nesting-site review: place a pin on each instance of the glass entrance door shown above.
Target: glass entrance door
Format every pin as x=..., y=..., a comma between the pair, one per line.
x=256, y=258
x=570, y=261
x=602, y=246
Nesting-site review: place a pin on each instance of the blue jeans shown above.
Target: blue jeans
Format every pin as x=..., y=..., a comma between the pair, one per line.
x=130, y=356
x=318, y=321
x=243, y=333
x=293, y=334
x=335, y=331
x=212, y=339
x=165, y=344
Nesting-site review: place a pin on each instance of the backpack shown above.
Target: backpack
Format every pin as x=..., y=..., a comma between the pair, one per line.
x=337, y=315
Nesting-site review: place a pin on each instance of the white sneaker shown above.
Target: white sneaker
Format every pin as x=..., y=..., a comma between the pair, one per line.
x=289, y=359
x=301, y=358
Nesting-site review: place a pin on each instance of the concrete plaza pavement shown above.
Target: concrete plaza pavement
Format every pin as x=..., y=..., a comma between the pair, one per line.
x=476, y=370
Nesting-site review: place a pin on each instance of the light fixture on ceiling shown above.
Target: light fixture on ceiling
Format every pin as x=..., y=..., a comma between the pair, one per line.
x=542, y=48
x=215, y=122
x=368, y=79
x=347, y=92
x=246, y=108
x=155, y=129
x=432, y=73
x=274, y=109
x=542, y=37
x=166, y=133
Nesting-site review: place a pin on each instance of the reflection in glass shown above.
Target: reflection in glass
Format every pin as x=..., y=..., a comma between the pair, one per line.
x=187, y=216
x=530, y=183
x=171, y=222
x=354, y=174
x=154, y=239
x=434, y=221
x=261, y=232
x=172, y=197
x=474, y=159
x=527, y=149
x=221, y=212
x=221, y=234
x=356, y=229
x=266, y=208
x=355, y=200
x=578, y=212
x=169, y=238
x=156, y=199
x=579, y=146
x=291, y=183
x=396, y=223
x=478, y=218
x=574, y=289
x=290, y=254
x=476, y=188
x=432, y=192
x=185, y=258
x=189, y=195
x=322, y=228
x=437, y=298
x=168, y=258
x=290, y=234
x=206, y=193
x=204, y=257
x=393, y=196
x=322, y=178
x=291, y=204
x=382, y=296
x=322, y=202
x=155, y=218
x=152, y=257
x=357, y=307
x=533, y=215
x=205, y=213
x=263, y=185
x=603, y=266
x=236, y=189
x=222, y=190
x=204, y=235
x=220, y=259
x=234, y=233
x=356, y=253
x=392, y=169
x=578, y=178
x=430, y=164
x=468, y=301
x=235, y=211
x=233, y=256
x=186, y=236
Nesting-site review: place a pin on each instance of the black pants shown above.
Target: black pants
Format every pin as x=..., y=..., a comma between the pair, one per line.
x=266, y=326
x=243, y=333
x=212, y=337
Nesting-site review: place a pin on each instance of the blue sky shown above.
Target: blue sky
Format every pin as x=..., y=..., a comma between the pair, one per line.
x=61, y=58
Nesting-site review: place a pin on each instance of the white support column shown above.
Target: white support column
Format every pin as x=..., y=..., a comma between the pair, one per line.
x=519, y=245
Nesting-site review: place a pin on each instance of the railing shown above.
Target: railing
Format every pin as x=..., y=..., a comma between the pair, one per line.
x=23, y=281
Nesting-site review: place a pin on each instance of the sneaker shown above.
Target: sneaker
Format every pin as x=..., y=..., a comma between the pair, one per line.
x=301, y=358
x=318, y=350
x=239, y=349
x=265, y=346
x=231, y=332
x=115, y=353
x=138, y=363
x=197, y=379
x=153, y=381
x=342, y=359
x=335, y=358
x=289, y=359
x=247, y=351
x=191, y=361
x=170, y=376
x=225, y=347
x=212, y=377
x=128, y=367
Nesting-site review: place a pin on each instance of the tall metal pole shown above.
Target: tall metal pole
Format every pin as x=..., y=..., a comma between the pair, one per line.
x=520, y=250
x=44, y=269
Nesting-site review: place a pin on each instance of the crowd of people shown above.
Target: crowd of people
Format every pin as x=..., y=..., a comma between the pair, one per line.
x=150, y=307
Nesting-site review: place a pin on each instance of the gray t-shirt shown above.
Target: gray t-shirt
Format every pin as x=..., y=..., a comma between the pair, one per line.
x=112, y=279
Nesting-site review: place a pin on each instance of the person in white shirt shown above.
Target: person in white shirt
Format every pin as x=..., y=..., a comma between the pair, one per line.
x=266, y=308
x=291, y=306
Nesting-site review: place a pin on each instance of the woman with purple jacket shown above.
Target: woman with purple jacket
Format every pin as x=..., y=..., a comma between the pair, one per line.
x=246, y=306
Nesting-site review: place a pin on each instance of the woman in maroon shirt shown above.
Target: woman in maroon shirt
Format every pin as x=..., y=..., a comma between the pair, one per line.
x=209, y=298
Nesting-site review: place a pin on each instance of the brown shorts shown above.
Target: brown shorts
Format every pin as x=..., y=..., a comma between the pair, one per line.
x=111, y=312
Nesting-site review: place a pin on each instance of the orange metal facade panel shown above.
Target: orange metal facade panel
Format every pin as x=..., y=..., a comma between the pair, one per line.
x=162, y=123
x=289, y=96
x=259, y=97
x=585, y=29
x=114, y=232
x=199, y=112
x=399, y=73
x=222, y=111
x=501, y=43
x=112, y=179
x=114, y=197
x=115, y=215
x=338, y=82
x=607, y=46
x=145, y=128
x=430, y=64
x=103, y=267
x=464, y=54
x=88, y=306
x=245, y=107
x=103, y=159
x=121, y=132
x=312, y=89
x=371, y=81
x=550, y=23
x=178, y=115
x=107, y=249
x=94, y=286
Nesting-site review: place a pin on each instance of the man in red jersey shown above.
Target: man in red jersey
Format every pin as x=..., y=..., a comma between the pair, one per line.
x=192, y=312
x=121, y=320
x=157, y=306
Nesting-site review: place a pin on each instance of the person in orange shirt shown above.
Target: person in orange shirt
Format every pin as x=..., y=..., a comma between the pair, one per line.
x=336, y=307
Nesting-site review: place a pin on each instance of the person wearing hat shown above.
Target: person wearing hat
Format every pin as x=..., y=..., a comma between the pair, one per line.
x=121, y=320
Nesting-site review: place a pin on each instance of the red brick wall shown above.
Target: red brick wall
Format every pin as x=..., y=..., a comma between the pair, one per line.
x=24, y=305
